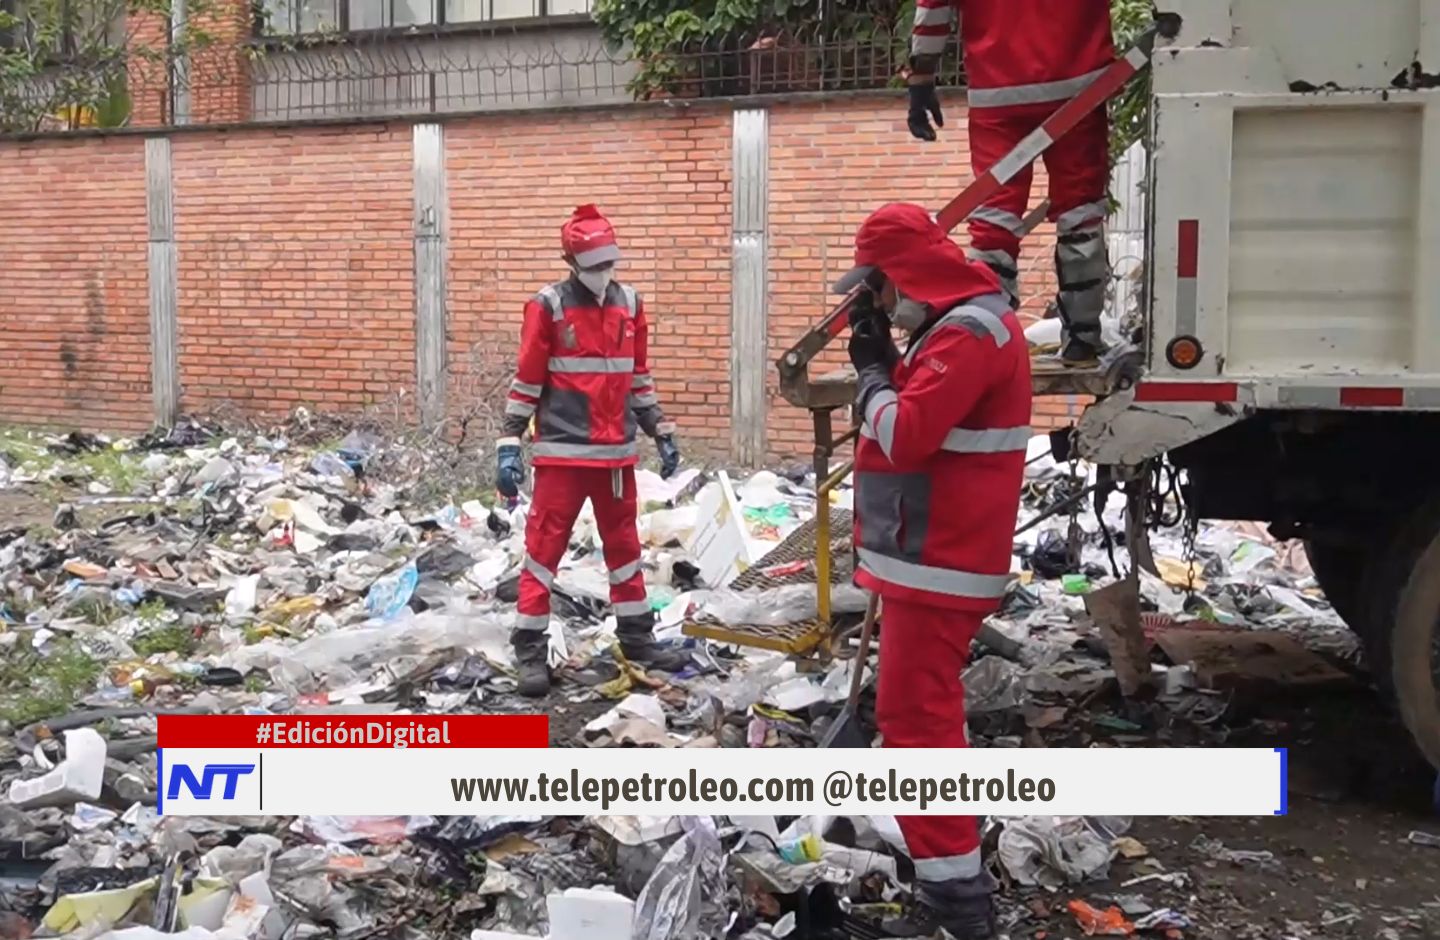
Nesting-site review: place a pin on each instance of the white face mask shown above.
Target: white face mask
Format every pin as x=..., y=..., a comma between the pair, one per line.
x=909, y=314
x=597, y=282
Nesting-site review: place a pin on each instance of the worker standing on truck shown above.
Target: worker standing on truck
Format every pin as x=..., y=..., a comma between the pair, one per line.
x=938, y=470
x=583, y=374
x=1023, y=60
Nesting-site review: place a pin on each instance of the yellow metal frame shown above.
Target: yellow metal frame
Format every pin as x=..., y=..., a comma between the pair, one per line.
x=817, y=635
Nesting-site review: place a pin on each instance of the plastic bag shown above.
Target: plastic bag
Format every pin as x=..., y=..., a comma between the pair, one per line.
x=1056, y=850
x=390, y=595
x=685, y=896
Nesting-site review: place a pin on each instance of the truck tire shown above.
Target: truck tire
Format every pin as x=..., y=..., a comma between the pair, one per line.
x=1415, y=653
x=1341, y=571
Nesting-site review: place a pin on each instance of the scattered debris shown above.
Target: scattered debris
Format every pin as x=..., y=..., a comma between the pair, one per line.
x=312, y=568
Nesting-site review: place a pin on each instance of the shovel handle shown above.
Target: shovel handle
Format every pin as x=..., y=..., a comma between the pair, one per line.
x=863, y=653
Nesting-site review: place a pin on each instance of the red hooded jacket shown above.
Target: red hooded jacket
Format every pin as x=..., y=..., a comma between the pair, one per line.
x=583, y=371
x=941, y=458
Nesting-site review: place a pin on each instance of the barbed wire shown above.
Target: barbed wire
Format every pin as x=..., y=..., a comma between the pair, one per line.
x=436, y=70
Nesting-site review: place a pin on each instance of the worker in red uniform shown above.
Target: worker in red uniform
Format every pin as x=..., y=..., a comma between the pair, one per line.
x=938, y=471
x=584, y=377
x=1023, y=60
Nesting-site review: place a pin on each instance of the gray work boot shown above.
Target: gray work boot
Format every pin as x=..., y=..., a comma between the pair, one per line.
x=1080, y=353
x=637, y=642
x=531, y=649
x=964, y=907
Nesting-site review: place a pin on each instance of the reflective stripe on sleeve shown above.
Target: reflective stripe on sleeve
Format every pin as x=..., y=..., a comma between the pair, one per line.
x=518, y=408
x=525, y=388
x=644, y=400
x=880, y=418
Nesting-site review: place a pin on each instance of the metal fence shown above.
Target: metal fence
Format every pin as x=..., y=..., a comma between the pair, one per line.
x=438, y=69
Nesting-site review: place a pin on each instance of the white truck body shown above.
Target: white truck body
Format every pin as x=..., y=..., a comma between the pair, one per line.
x=1294, y=225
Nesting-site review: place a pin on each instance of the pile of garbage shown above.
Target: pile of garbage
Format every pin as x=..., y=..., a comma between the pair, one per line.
x=197, y=571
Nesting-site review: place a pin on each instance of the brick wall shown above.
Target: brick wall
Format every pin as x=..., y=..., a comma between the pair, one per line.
x=74, y=316
x=664, y=181
x=295, y=280
x=295, y=271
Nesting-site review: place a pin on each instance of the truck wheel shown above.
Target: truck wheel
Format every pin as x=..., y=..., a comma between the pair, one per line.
x=1340, y=571
x=1415, y=653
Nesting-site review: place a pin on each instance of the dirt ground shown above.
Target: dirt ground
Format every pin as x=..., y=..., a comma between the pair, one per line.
x=1343, y=866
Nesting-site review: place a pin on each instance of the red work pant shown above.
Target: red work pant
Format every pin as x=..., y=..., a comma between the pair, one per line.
x=1078, y=166
x=560, y=493
x=920, y=702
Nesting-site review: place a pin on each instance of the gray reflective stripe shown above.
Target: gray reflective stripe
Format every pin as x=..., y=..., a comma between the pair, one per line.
x=880, y=418
x=979, y=315
x=932, y=16
x=642, y=381
x=644, y=400
x=1078, y=216
x=937, y=580
x=584, y=451
x=525, y=388
x=532, y=622
x=988, y=441
x=591, y=364
x=948, y=867
x=1009, y=221
x=625, y=572
x=520, y=409
x=632, y=301
x=631, y=608
x=920, y=44
x=970, y=441
x=1032, y=94
x=993, y=256
x=551, y=298
x=1081, y=258
x=541, y=573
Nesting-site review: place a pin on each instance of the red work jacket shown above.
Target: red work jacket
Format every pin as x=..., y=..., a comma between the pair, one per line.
x=584, y=375
x=940, y=462
x=1020, y=53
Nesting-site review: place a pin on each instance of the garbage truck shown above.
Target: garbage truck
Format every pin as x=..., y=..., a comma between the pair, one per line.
x=1288, y=354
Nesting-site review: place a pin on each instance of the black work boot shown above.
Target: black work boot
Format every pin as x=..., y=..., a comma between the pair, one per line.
x=964, y=907
x=637, y=642
x=1078, y=353
x=531, y=650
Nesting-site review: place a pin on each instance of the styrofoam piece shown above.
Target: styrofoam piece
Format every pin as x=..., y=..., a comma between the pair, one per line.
x=478, y=934
x=78, y=777
x=590, y=914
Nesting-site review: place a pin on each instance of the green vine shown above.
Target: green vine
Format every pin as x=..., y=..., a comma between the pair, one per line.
x=1129, y=111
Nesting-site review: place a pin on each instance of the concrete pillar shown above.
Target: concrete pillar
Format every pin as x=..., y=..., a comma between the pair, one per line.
x=749, y=346
x=164, y=333
x=431, y=234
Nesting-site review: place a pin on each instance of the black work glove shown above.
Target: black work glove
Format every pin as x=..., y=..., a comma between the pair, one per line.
x=870, y=344
x=865, y=308
x=924, y=104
